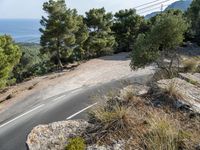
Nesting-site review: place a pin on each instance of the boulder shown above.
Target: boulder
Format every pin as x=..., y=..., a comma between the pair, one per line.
x=54, y=136
x=190, y=92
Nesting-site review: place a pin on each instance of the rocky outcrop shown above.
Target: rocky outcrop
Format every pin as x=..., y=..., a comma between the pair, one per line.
x=117, y=145
x=54, y=136
x=192, y=78
x=190, y=93
x=137, y=90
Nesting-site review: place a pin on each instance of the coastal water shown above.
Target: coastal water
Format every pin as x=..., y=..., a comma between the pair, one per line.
x=22, y=30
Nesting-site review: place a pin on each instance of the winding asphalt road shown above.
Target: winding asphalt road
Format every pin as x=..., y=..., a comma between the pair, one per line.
x=69, y=105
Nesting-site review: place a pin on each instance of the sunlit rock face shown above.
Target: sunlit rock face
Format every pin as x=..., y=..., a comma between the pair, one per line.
x=54, y=136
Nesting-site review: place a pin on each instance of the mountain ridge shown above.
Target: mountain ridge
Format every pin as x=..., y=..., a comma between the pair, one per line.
x=181, y=4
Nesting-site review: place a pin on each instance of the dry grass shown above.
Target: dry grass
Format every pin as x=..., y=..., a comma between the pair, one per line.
x=164, y=74
x=110, y=123
x=141, y=125
x=191, y=64
x=113, y=116
x=128, y=93
x=173, y=92
x=164, y=133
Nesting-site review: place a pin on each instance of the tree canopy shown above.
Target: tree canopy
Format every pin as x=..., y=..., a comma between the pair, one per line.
x=31, y=62
x=63, y=34
x=9, y=55
x=127, y=25
x=101, y=40
x=166, y=34
x=193, y=15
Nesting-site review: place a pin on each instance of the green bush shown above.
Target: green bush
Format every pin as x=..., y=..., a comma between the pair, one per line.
x=77, y=143
x=9, y=55
x=166, y=34
x=127, y=25
x=101, y=40
x=31, y=63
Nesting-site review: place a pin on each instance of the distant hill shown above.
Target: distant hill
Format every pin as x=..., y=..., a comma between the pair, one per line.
x=152, y=14
x=181, y=4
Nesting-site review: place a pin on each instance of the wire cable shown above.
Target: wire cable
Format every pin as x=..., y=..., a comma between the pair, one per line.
x=145, y=4
x=156, y=8
x=153, y=5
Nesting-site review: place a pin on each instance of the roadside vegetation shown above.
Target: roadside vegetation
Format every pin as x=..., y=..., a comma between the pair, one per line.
x=156, y=120
x=68, y=37
x=137, y=123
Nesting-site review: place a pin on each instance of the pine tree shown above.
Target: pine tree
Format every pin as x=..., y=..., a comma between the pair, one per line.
x=101, y=39
x=62, y=33
x=166, y=34
x=193, y=15
x=127, y=26
x=9, y=55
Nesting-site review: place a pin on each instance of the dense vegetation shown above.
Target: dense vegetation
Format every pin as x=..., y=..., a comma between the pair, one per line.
x=167, y=32
x=193, y=17
x=100, y=40
x=127, y=25
x=68, y=37
x=31, y=63
x=63, y=34
x=9, y=56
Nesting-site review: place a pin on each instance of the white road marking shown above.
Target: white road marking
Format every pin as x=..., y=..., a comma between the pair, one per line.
x=22, y=115
x=72, y=116
x=60, y=97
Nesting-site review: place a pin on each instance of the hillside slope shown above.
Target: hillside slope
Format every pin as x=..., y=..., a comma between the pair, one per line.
x=181, y=4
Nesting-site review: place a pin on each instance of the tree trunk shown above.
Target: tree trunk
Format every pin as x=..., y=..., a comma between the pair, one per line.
x=58, y=56
x=59, y=60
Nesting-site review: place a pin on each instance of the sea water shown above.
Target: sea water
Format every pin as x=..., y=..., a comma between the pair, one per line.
x=21, y=30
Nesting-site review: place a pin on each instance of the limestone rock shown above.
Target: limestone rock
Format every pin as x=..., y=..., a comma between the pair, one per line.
x=194, y=78
x=117, y=145
x=137, y=90
x=190, y=93
x=54, y=136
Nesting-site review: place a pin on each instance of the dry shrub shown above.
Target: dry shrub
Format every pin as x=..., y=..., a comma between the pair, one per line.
x=110, y=122
x=141, y=125
x=127, y=94
x=191, y=64
x=164, y=134
x=164, y=131
x=164, y=74
x=114, y=117
x=173, y=92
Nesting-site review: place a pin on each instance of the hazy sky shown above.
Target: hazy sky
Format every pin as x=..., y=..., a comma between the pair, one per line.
x=33, y=8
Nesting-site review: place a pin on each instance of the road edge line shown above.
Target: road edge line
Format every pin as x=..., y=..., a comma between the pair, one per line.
x=21, y=115
x=82, y=110
x=58, y=98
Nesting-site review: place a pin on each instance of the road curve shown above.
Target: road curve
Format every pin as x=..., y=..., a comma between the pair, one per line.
x=72, y=104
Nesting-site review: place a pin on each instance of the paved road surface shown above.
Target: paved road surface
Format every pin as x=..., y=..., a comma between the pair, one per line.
x=13, y=131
